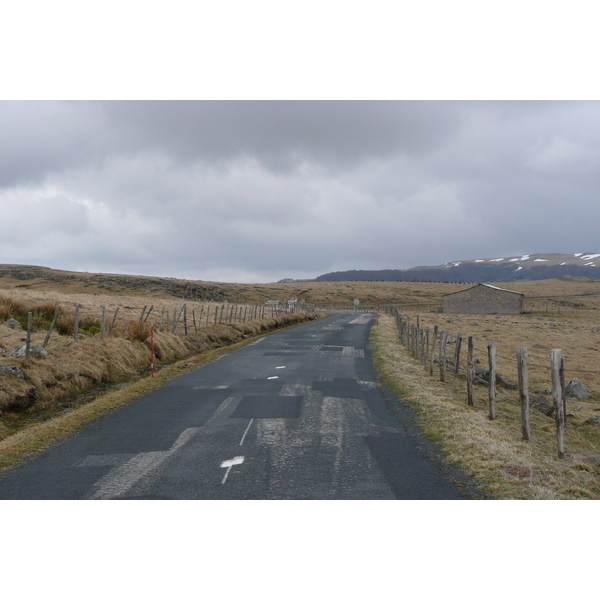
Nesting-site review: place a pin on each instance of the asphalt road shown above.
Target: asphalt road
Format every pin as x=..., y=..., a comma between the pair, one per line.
x=294, y=415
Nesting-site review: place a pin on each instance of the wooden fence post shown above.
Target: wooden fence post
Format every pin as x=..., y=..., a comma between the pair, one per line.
x=435, y=333
x=457, y=359
x=177, y=319
x=426, y=353
x=414, y=340
x=28, y=338
x=471, y=373
x=143, y=312
x=443, y=343
x=114, y=320
x=562, y=387
x=76, y=325
x=524, y=391
x=162, y=316
x=185, y=327
x=103, y=324
x=492, y=390
x=417, y=337
x=52, y=325
x=194, y=320
x=555, y=358
x=148, y=313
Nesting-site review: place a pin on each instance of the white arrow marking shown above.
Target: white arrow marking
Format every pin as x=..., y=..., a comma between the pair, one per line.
x=228, y=464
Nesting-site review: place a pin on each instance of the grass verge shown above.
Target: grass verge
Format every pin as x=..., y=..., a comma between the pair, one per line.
x=491, y=452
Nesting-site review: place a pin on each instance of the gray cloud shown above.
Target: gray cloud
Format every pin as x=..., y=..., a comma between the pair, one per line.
x=256, y=191
x=282, y=134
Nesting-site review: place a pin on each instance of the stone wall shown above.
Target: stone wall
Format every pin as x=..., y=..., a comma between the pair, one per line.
x=483, y=299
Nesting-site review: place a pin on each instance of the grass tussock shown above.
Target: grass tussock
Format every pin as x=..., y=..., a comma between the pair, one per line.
x=134, y=331
x=492, y=452
x=11, y=308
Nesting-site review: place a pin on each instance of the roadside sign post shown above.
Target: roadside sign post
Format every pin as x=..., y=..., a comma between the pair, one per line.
x=152, y=350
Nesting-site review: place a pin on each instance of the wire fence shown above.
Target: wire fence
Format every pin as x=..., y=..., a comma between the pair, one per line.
x=72, y=321
x=433, y=349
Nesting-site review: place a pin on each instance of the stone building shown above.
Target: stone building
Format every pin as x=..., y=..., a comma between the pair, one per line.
x=484, y=299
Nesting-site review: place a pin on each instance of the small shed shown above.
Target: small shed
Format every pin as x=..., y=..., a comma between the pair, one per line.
x=484, y=299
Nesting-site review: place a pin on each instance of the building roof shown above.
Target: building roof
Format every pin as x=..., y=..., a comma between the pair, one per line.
x=493, y=287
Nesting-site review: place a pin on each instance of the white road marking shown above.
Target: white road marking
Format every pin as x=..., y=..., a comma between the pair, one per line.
x=245, y=432
x=362, y=320
x=274, y=377
x=280, y=367
x=355, y=352
x=213, y=387
x=369, y=384
x=120, y=480
x=228, y=464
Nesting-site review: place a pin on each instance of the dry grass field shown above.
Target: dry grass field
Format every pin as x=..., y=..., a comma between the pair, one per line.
x=570, y=321
x=561, y=314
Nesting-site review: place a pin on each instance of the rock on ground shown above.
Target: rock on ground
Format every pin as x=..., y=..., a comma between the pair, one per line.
x=33, y=351
x=577, y=389
x=12, y=371
x=540, y=403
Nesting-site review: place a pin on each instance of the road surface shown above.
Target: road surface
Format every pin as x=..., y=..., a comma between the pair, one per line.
x=294, y=415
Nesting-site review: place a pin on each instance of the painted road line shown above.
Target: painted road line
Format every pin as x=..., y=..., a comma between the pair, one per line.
x=246, y=432
x=280, y=367
x=228, y=464
x=363, y=320
x=369, y=384
x=351, y=351
x=273, y=377
x=212, y=387
x=120, y=480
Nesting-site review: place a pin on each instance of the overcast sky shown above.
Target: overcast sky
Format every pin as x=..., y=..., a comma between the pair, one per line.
x=255, y=191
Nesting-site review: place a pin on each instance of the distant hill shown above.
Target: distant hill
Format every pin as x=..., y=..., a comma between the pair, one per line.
x=528, y=267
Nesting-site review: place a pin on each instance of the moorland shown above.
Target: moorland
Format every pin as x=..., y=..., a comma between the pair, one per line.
x=560, y=313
